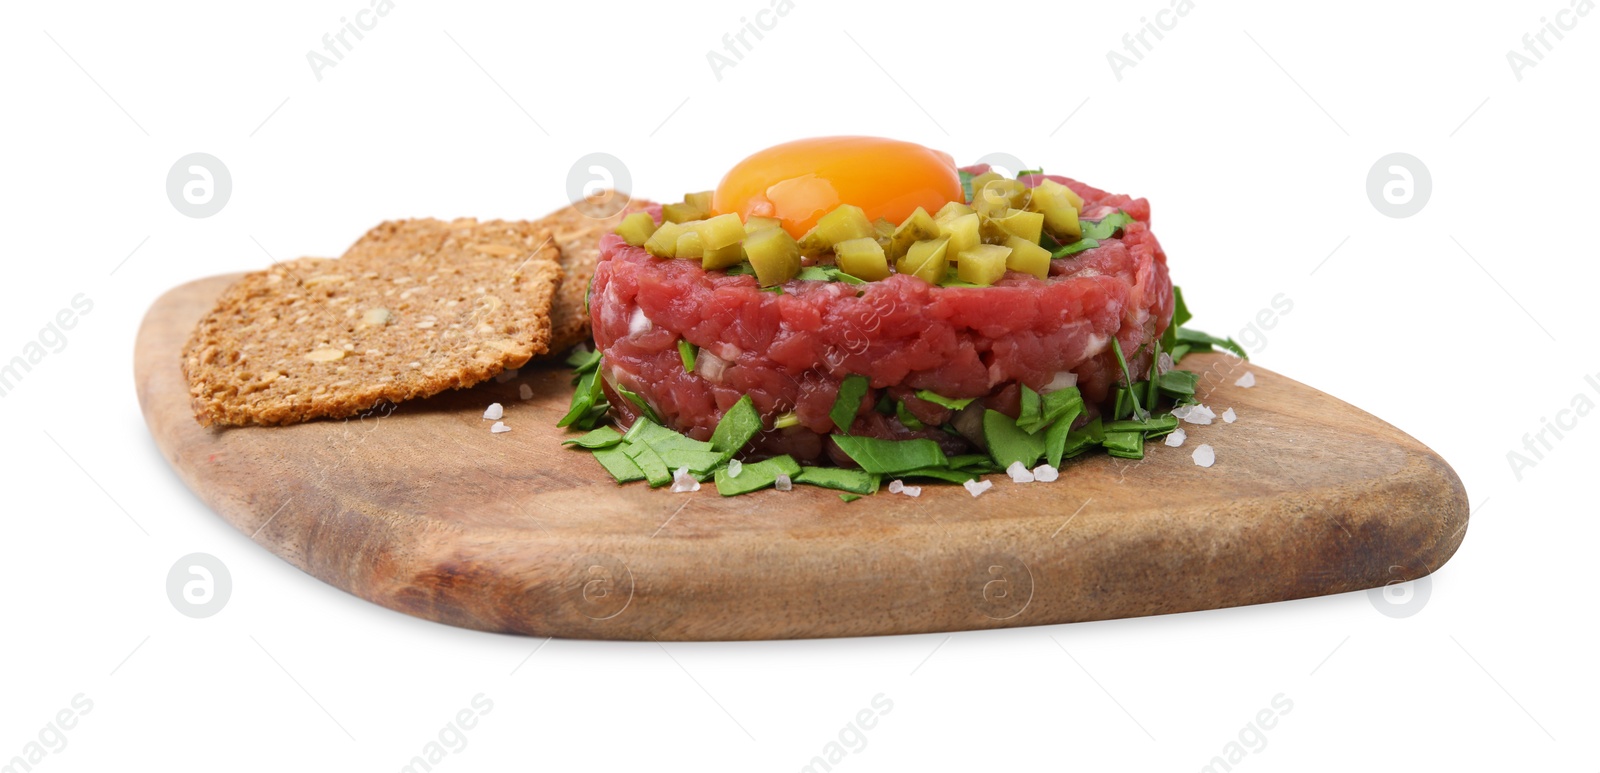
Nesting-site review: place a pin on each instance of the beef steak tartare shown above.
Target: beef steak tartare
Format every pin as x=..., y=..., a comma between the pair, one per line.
x=790, y=349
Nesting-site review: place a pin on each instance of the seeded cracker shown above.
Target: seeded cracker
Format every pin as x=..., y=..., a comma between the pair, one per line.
x=414, y=308
x=577, y=230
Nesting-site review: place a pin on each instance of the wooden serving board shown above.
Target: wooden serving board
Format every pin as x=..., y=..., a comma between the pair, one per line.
x=424, y=511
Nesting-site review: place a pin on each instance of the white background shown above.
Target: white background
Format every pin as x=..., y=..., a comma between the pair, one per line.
x=1251, y=126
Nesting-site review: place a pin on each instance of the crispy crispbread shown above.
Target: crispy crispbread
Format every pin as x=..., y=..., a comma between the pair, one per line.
x=577, y=230
x=414, y=308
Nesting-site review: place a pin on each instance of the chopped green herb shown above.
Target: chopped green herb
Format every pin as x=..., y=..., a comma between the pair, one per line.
x=1178, y=351
x=1060, y=405
x=858, y=481
x=1202, y=342
x=688, y=353
x=1026, y=172
x=755, y=475
x=905, y=417
x=638, y=402
x=1106, y=227
x=601, y=437
x=1125, y=445
x=582, y=360
x=1055, y=442
x=1008, y=443
x=1180, y=310
x=1082, y=440
x=948, y=402
x=1074, y=248
x=584, y=399
x=828, y=274
x=886, y=404
x=1164, y=423
x=979, y=463
x=617, y=462
x=698, y=462
x=785, y=420
x=1179, y=383
x=848, y=401
x=966, y=184
x=775, y=289
x=655, y=470
x=847, y=498
x=888, y=457
x=741, y=269
x=1031, y=417
x=737, y=426
x=941, y=473
x=1127, y=380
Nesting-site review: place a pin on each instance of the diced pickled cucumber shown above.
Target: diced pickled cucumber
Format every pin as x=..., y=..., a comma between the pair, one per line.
x=761, y=223
x=1028, y=257
x=664, y=242
x=682, y=212
x=884, y=229
x=845, y=222
x=920, y=226
x=723, y=257
x=689, y=245
x=702, y=200
x=927, y=259
x=1017, y=222
x=862, y=258
x=774, y=255
x=963, y=232
x=983, y=264
x=997, y=196
x=953, y=209
x=636, y=228
x=1055, y=202
x=983, y=180
x=720, y=231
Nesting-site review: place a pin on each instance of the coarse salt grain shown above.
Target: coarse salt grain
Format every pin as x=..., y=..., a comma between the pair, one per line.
x=734, y=468
x=525, y=392
x=1194, y=414
x=896, y=486
x=1044, y=473
x=683, y=482
x=1204, y=455
x=1019, y=473
x=1229, y=416
x=1247, y=380
x=976, y=487
x=782, y=482
x=911, y=491
x=1176, y=438
x=1164, y=364
x=495, y=412
x=499, y=427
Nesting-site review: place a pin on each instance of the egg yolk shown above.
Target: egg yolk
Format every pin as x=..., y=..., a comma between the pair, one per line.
x=799, y=182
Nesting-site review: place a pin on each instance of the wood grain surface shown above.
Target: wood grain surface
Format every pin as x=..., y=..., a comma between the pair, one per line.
x=419, y=508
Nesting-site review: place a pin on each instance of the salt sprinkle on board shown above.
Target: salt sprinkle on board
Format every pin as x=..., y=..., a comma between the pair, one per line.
x=1204, y=455
x=499, y=427
x=1247, y=380
x=1229, y=416
x=1176, y=438
x=976, y=487
x=1019, y=474
x=495, y=412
